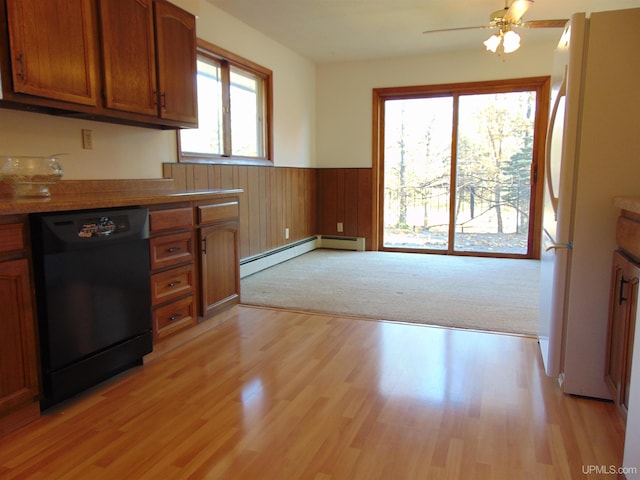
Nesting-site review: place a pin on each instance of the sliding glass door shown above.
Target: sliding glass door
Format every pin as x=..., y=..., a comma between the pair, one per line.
x=458, y=171
x=417, y=174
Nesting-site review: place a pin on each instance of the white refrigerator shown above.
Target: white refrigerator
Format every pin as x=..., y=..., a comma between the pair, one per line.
x=593, y=155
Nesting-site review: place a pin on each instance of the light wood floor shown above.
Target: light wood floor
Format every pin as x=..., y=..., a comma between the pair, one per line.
x=280, y=395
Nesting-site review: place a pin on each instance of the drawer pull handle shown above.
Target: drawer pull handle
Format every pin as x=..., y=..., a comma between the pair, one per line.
x=174, y=283
x=175, y=317
x=174, y=249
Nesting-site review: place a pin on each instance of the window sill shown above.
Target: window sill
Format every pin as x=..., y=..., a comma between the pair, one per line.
x=220, y=160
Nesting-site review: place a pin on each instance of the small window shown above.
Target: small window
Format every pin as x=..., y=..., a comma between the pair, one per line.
x=234, y=111
x=247, y=138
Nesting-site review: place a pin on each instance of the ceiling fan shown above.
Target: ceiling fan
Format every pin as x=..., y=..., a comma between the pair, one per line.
x=505, y=40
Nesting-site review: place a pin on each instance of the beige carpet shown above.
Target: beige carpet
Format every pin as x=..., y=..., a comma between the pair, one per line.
x=498, y=295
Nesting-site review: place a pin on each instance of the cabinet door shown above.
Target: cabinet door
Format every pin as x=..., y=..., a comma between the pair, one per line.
x=53, y=49
x=18, y=367
x=219, y=269
x=617, y=319
x=622, y=323
x=176, y=56
x=129, y=56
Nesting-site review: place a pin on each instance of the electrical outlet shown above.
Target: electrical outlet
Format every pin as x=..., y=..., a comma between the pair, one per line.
x=340, y=227
x=286, y=234
x=87, y=139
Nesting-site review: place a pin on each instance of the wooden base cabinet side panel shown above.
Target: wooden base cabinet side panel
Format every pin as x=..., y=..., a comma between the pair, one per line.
x=19, y=387
x=622, y=319
x=220, y=276
x=629, y=335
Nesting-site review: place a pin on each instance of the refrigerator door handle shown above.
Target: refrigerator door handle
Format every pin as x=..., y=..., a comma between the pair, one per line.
x=547, y=156
x=555, y=246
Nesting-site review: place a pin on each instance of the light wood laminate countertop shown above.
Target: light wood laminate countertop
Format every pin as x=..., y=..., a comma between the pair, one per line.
x=631, y=204
x=93, y=194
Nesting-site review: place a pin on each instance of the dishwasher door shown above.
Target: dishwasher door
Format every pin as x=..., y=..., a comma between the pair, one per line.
x=93, y=293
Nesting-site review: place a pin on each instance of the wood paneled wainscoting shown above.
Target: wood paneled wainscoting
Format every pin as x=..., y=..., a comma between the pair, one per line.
x=345, y=196
x=275, y=199
x=307, y=201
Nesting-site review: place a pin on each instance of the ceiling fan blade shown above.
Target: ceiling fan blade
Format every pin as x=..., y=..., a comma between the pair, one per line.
x=560, y=23
x=458, y=29
x=516, y=10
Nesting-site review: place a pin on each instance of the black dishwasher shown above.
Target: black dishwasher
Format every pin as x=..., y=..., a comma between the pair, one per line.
x=93, y=296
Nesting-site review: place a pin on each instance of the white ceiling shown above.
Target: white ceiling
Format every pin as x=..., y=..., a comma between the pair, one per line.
x=347, y=30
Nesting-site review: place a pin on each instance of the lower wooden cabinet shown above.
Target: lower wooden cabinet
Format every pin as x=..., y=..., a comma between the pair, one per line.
x=173, y=274
x=219, y=254
x=622, y=323
x=174, y=317
x=19, y=385
x=219, y=265
x=192, y=280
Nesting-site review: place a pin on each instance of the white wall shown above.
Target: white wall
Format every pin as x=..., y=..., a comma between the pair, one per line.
x=133, y=152
x=118, y=151
x=344, y=91
x=294, y=84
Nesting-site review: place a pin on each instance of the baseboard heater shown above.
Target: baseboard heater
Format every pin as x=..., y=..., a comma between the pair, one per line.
x=342, y=243
x=251, y=265
x=256, y=263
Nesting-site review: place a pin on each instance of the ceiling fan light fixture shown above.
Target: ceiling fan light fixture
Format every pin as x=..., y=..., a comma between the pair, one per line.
x=511, y=41
x=492, y=42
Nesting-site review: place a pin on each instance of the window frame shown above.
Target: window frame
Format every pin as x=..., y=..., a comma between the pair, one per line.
x=227, y=59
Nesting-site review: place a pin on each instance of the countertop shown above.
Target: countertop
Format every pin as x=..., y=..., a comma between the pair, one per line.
x=90, y=194
x=631, y=204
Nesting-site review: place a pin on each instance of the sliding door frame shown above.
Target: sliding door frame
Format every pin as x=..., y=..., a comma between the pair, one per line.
x=541, y=85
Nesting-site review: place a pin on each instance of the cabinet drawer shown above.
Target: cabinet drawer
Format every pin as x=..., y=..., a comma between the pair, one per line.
x=171, y=284
x=170, y=219
x=218, y=212
x=171, y=250
x=11, y=238
x=174, y=317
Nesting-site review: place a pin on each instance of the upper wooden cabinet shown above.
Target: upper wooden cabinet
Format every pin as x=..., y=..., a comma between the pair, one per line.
x=129, y=56
x=52, y=49
x=149, y=53
x=176, y=58
x=131, y=61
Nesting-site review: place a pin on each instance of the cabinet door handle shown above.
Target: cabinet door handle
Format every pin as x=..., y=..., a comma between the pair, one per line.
x=621, y=297
x=204, y=246
x=175, y=317
x=174, y=283
x=20, y=60
x=174, y=249
x=163, y=100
